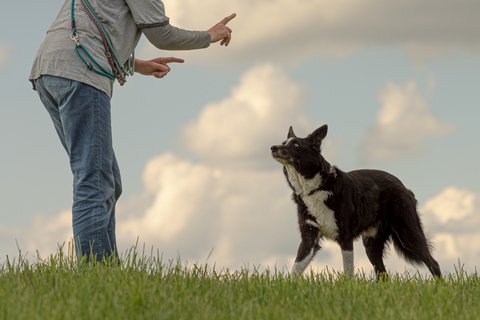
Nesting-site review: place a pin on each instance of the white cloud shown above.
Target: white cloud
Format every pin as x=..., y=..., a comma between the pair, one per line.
x=453, y=204
x=45, y=235
x=60, y=226
x=404, y=123
x=295, y=28
x=454, y=215
x=241, y=128
x=235, y=200
x=244, y=215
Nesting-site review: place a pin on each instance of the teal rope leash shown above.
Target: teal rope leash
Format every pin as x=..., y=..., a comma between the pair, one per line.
x=119, y=71
x=105, y=37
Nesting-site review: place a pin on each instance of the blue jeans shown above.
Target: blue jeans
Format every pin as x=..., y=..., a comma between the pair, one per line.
x=81, y=116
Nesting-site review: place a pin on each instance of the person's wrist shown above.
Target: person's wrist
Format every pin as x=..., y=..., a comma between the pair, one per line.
x=138, y=65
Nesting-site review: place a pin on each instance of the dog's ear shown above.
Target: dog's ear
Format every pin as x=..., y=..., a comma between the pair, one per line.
x=291, y=134
x=318, y=135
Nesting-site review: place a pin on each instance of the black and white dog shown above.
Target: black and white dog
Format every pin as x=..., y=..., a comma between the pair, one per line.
x=343, y=206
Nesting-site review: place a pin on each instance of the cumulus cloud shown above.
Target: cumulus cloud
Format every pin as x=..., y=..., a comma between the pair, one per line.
x=241, y=128
x=60, y=226
x=454, y=214
x=404, y=123
x=453, y=204
x=233, y=198
x=275, y=28
x=44, y=236
x=243, y=215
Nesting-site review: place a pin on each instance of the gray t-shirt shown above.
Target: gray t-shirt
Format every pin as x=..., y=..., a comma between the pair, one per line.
x=124, y=21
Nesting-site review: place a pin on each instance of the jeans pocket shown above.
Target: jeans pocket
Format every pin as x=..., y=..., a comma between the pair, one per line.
x=57, y=87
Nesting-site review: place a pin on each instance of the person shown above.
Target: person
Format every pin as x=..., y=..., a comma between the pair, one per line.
x=88, y=47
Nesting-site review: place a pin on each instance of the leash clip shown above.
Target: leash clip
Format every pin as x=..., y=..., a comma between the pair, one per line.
x=75, y=39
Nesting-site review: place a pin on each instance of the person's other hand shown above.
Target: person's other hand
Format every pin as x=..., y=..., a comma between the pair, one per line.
x=220, y=31
x=156, y=67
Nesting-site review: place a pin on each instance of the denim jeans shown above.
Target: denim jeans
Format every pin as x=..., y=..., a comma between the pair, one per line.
x=81, y=116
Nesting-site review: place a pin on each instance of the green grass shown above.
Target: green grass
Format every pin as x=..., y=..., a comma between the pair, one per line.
x=147, y=288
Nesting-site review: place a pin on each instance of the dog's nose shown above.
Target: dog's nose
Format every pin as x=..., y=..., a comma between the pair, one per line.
x=274, y=148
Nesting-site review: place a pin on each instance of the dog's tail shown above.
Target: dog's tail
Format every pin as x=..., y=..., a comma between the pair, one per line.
x=409, y=238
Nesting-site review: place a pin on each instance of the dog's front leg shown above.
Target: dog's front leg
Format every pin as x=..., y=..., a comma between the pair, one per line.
x=347, y=257
x=307, y=249
x=305, y=254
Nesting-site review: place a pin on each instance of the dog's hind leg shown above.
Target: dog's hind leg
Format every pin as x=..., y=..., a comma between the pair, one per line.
x=374, y=247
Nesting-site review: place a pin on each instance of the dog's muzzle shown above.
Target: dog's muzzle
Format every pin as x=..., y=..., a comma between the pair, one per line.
x=278, y=153
x=275, y=150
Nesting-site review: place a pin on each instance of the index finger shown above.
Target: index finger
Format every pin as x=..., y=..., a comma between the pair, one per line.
x=173, y=59
x=228, y=18
x=170, y=59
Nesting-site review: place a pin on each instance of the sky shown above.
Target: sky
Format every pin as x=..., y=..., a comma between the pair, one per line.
x=397, y=83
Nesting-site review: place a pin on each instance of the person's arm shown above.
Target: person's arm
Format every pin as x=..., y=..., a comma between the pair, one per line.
x=156, y=67
x=168, y=37
x=172, y=38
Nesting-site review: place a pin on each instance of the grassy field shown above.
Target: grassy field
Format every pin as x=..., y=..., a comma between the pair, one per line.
x=147, y=288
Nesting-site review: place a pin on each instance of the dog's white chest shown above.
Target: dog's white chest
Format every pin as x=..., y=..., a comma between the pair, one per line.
x=324, y=215
x=315, y=201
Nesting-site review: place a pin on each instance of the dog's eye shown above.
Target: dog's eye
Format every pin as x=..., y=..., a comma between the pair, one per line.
x=295, y=143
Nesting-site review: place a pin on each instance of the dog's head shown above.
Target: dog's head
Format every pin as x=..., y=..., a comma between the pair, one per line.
x=304, y=154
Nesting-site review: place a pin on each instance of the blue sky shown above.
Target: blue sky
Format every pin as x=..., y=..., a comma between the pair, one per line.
x=397, y=84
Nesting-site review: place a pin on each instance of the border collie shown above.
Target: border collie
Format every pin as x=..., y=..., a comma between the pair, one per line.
x=343, y=206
